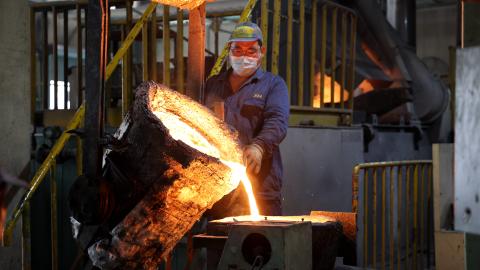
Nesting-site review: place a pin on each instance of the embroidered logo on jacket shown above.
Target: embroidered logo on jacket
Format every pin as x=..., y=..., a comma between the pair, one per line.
x=258, y=95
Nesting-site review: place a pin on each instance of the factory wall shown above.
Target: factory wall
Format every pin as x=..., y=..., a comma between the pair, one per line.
x=436, y=31
x=14, y=102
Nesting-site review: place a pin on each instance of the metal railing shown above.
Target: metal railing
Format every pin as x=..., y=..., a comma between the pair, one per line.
x=319, y=83
x=324, y=18
x=44, y=11
x=403, y=198
x=47, y=167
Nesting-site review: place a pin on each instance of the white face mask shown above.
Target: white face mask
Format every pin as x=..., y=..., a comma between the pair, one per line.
x=244, y=66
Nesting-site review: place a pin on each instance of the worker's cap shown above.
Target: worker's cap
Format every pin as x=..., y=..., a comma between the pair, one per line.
x=246, y=31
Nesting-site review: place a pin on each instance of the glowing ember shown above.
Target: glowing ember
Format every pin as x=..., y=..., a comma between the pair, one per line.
x=183, y=131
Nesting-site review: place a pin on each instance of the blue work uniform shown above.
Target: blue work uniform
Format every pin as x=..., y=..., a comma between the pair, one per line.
x=259, y=112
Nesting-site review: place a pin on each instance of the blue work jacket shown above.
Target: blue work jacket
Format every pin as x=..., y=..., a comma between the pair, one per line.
x=258, y=111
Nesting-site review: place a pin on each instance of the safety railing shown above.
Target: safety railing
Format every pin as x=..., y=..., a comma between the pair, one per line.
x=47, y=167
x=316, y=56
x=49, y=76
x=396, y=212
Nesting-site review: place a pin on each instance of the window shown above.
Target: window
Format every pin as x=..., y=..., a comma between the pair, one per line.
x=60, y=95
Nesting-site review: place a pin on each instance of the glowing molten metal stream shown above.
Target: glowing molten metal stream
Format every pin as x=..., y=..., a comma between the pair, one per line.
x=180, y=130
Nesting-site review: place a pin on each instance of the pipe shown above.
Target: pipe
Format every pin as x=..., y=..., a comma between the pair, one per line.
x=401, y=15
x=430, y=96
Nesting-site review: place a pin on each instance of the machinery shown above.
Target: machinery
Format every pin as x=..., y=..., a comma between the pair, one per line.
x=284, y=242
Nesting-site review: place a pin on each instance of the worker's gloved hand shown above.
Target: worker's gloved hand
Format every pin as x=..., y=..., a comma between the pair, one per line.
x=252, y=157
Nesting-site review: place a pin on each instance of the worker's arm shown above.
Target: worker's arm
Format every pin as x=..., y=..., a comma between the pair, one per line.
x=275, y=115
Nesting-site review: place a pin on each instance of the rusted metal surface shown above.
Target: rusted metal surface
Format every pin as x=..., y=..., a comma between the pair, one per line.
x=196, y=52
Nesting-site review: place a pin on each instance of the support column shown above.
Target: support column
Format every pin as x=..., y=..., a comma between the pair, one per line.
x=196, y=53
x=93, y=94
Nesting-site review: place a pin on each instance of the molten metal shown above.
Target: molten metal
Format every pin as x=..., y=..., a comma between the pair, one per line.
x=186, y=132
x=179, y=160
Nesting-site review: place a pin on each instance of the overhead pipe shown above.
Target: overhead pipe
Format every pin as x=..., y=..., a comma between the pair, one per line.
x=430, y=96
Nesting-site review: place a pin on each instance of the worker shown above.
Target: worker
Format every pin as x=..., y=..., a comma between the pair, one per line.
x=255, y=103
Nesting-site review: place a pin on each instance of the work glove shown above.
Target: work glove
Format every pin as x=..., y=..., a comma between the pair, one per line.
x=252, y=158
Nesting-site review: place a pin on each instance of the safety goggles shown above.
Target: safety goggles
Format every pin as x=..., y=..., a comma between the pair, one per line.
x=250, y=52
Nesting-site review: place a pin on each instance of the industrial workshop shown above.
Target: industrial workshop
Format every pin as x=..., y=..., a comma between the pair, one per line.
x=240, y=134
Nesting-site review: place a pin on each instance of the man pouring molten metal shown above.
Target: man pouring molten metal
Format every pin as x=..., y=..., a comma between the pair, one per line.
x=256, y=104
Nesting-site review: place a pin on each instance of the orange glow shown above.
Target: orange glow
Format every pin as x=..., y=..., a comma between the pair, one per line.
x=181, y=130
x=364, y=87
x=327, y=91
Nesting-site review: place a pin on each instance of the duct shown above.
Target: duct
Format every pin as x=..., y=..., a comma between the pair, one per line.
x=400, y=63
x=401, y=15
